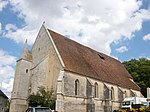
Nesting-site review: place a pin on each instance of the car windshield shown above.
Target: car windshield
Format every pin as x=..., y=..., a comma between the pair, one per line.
x=42, y=110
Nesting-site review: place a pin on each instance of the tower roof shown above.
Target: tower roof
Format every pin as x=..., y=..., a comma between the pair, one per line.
x=26, y=54
x=25, y=50
x=88, y=62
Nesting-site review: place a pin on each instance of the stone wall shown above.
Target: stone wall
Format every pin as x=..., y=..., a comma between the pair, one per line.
x=85, y=100
x=3, y=102
x=43, y=70
x=46, y=65
x=21, y=86
x=40, y=47
x=69, y=85
x=46, y=70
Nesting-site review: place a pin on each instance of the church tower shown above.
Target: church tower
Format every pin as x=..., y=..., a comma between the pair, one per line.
x=21, y=81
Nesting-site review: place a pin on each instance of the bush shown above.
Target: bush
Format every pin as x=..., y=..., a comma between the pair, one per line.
x=42, y=98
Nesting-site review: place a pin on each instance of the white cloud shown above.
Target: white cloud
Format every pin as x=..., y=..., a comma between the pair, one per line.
x=143, y=56
x=122, y=49
x=6, y=59
x=10, y=27
x=20, y=35
x=6, y=71
x=100, y=22
x=2, y=4
x=7, y=86
x=146, y=37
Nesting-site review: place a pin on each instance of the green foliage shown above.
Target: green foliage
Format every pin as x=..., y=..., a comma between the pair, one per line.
x=140, y=71
x=42, y=98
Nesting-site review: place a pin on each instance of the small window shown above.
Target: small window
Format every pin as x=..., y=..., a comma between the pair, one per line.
x=39, y=49
x=76, y=87
x=26, y=70
x=101, y=57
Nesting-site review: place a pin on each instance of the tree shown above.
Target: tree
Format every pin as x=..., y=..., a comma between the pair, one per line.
x=42, y=98
x=140, y=71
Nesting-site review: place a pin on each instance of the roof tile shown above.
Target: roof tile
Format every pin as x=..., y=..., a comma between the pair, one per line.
x=88, y=62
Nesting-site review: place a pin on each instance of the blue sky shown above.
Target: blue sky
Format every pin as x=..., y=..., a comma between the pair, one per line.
x=137, y=47
x=119, y=28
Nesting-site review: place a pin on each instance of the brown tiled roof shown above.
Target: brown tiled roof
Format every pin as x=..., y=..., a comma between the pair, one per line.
x=88, y=62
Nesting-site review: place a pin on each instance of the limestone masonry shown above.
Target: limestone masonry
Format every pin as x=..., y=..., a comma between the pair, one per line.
x=83, y=79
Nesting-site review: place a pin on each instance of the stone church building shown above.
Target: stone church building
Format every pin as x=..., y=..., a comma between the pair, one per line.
x=84, y=80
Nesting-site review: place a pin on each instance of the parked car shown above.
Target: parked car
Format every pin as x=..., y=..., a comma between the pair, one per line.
x=38, y=109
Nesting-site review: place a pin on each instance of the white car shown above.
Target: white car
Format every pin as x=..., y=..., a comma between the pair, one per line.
x=38, y=109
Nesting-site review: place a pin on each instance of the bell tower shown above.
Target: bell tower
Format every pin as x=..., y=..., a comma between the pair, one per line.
x=21, y=81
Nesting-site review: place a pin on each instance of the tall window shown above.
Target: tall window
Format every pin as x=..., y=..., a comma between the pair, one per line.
x=106, y=92
x=76, y=87
x=112, y=93
x=120, y=94
x=96, y=90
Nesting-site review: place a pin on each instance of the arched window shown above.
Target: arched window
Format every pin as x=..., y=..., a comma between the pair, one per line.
x=76, y=87
x=96, y=90
x=120, y=94
x=125, y=94
x=106, y=92
x=112, y=93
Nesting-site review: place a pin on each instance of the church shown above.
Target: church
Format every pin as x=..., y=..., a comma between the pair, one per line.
x=84, y=80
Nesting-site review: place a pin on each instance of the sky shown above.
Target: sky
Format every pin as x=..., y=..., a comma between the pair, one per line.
x=118, y=28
